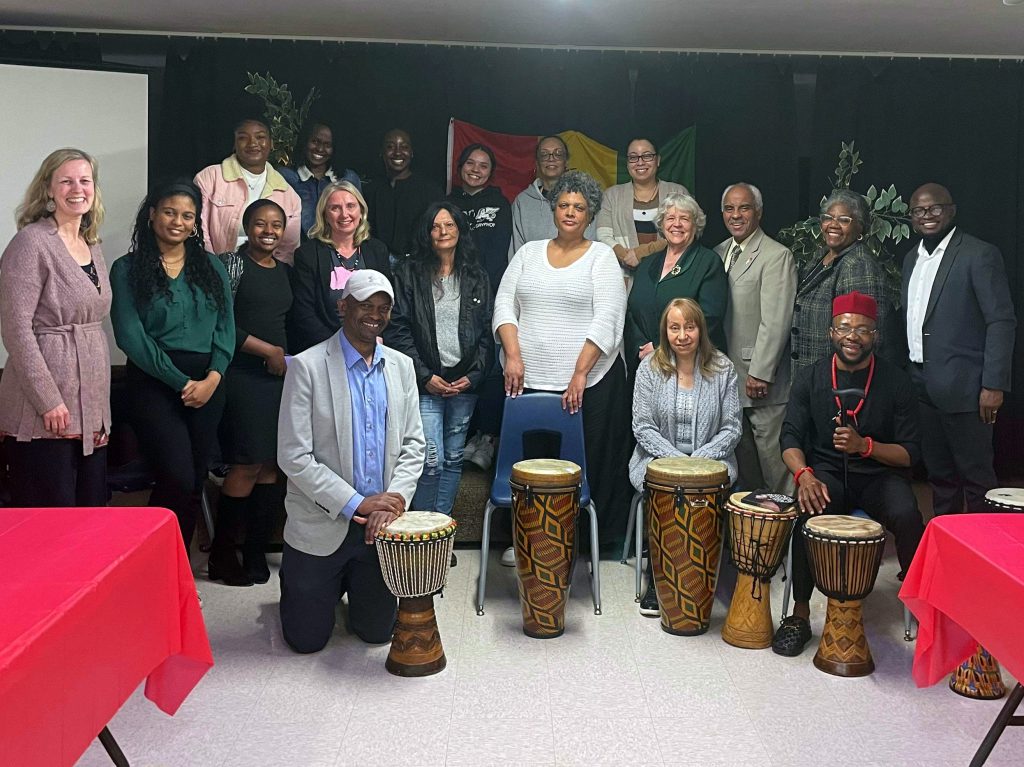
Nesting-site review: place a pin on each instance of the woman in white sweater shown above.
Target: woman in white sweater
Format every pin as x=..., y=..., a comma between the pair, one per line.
x=685, y=403
x=559, y=315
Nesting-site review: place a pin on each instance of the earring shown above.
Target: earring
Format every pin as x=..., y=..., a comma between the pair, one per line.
x=860, y=237
x=51, y=206
x=195, y=231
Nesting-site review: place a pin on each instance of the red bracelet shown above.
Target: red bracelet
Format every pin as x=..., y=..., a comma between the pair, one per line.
x=799, y=473
x=871, y=448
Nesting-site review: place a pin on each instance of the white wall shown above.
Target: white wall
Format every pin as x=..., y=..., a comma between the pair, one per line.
x=103, y=113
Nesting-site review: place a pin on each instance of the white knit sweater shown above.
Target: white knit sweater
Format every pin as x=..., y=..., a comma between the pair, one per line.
x=557, y=310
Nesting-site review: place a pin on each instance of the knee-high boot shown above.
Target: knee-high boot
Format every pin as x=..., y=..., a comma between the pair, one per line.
x=266, y=501
x=224, y=564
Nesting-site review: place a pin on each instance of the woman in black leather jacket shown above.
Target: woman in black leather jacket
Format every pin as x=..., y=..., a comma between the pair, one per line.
x=442, y=320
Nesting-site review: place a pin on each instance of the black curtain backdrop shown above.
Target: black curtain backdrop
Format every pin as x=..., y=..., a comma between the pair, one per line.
x=957, y=122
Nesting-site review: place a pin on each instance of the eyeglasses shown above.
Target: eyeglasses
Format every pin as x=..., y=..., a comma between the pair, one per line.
x=827, y=218
x=929, y=210
x=633, y=159
x=558, y=154
x=842, y=331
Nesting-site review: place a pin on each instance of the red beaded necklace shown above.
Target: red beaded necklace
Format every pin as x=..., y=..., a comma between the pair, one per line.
x=867, y=387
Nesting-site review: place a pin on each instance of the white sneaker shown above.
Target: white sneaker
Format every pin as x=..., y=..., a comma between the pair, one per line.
x=472, y=445
x=508, y=557
x=483, y=456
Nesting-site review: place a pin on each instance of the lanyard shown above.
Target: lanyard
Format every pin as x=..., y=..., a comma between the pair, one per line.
x=867, y=388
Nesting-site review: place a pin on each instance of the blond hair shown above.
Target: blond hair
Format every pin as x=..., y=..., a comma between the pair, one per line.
x=664, y=359
x=37, y=195
x=321, y=230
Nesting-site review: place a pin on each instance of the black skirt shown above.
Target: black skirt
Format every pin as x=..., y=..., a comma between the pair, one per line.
x=249, y=426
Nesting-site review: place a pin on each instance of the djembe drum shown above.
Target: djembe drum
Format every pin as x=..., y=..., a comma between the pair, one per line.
x=759, y=530
x=545, y=505
x=845, y=554
x=684, y=497
x=415, y=553
x=979, y=676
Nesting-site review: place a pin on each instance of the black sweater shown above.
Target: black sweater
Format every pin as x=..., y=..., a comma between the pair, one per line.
x=490, y=221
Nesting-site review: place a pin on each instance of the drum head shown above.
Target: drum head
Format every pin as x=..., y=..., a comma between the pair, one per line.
x=773, y=504
x=419, y=526
x=687, y=472
x=1010, y=498
x=546, y=472
x=844, y=526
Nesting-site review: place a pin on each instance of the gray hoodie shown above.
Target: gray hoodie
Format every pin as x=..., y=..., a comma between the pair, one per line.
x=533, y=219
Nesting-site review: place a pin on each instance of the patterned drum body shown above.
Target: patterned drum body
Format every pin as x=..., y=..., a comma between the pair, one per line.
x=845, y=554
x=545, y=505
x=757, y=542
x=415, y=554
x=684, y=497
x=978, y=677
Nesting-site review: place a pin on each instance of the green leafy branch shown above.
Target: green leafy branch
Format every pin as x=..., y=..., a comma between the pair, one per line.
x=890, y=224
x=283, y=117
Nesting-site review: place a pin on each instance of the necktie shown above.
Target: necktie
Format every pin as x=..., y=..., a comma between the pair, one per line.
x=733, y=256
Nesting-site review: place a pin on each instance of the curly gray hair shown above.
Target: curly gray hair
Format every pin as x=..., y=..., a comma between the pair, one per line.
x=576, y=181
x=683, y=202
x=853, y=202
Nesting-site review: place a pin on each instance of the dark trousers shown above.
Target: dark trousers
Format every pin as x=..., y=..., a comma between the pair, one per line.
x=608, y=443
x=311, y=587
x=53, y=472
x=176, y=441
x=958, y=454
x=887, y=498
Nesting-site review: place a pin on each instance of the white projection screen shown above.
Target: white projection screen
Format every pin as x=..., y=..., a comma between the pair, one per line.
x=103, y=113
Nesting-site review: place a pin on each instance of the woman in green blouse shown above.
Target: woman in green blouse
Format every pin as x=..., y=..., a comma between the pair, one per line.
x=172, y=317
x=685, y=269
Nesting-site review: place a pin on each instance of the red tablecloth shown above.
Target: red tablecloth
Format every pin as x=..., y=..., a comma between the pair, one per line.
x=92, y=601
x=966, y=586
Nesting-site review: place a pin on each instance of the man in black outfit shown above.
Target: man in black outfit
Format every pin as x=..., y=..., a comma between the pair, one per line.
x=882, y=436
x=960, y=327
x=398, y=200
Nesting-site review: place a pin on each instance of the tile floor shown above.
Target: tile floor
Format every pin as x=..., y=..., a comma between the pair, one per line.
x=613, y=690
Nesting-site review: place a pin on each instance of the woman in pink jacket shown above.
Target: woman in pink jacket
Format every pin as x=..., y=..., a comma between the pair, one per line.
x=54, y=294
x=246, y=176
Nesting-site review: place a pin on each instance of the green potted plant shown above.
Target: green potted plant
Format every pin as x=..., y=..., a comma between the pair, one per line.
x=283, y=117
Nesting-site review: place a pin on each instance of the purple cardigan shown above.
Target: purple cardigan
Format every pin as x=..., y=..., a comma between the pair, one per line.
x=51, y=321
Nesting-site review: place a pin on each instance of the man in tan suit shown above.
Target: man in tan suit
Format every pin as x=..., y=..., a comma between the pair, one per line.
x=762, y=289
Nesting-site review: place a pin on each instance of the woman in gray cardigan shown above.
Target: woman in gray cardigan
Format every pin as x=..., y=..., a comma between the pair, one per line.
x=685, y=403
x=54, y=294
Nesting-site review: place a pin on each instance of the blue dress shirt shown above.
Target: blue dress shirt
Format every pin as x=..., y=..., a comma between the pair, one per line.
x=368, y=393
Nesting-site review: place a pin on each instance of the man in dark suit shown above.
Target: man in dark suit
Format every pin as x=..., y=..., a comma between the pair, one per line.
x=960, y=328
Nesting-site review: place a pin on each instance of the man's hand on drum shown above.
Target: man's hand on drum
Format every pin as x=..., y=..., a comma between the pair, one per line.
x=378, y=511
x=812, y=494
x=846, y=440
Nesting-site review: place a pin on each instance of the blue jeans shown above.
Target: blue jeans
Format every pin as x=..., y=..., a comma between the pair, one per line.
x=445, y=425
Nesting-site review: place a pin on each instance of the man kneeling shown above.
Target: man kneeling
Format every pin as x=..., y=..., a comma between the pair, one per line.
x=882, y=436
x=351, y=442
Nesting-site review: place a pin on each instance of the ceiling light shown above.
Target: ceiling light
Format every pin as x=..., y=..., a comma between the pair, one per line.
x=1013, y=2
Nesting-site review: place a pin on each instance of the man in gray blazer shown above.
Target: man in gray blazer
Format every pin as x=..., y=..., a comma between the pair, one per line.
x=351, y=443
x=960, y=329
x=762, y=289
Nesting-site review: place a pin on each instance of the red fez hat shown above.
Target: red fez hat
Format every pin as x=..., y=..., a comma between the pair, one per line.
x=855, y=303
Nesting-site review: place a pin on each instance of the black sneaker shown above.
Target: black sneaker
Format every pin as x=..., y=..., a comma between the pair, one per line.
x=649, y=603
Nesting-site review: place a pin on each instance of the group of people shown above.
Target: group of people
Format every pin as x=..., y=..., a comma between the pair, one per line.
x=347, y=334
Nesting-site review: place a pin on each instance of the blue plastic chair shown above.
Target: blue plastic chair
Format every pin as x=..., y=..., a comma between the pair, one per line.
x=541, y=411
x=908, y=619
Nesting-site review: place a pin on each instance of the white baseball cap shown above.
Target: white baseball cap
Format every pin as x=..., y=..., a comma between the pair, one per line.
x=364, y=283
